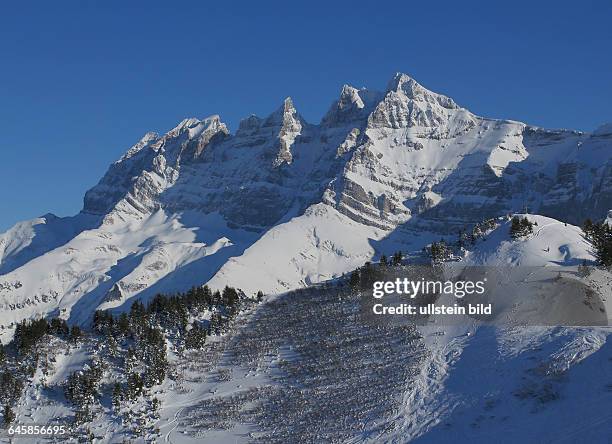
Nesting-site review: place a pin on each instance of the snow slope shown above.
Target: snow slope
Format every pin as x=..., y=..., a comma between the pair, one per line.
x=304, y=367
x=105, y=266
x=552, y=243
x=484, y=383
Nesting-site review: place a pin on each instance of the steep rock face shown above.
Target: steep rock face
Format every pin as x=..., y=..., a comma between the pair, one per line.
x=290, y=128
x=352, y=107
x=268, y=162
x=134, y=182
x=583, y=180
x=407, y=104
x=283, y=203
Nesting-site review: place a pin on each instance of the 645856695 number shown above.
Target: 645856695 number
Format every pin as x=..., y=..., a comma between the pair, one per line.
x=36, y=430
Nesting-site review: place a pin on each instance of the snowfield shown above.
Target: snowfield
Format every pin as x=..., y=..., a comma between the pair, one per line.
x=304, y=367
x=552, y=243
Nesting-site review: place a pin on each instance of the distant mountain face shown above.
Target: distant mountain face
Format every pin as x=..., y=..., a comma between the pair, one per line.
x=283, y=203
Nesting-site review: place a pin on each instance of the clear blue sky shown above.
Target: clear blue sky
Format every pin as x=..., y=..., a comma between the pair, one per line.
x=80, y=82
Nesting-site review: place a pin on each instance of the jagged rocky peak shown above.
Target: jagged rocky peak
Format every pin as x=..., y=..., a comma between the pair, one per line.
x=152, y=154
x=189, y=139
x=214, y=122
x=209, y=129
x=353, y=104
x=193, y=128
x=146, y=140
x=200, y=128
x=249, y=126
x=285, y=116
x=404, y=84
x=149, y=137
x=289, y=124
x=184, y=125
x=408, y=104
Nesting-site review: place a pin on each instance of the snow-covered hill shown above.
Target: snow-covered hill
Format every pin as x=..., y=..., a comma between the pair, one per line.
x=304, y=367
x=551, y=243
x=284, y=203
x=518, y=383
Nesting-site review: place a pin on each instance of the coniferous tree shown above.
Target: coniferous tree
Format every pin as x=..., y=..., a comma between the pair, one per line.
x=83, y=415
x=601, y=238
x=123, y=324
x=155, y=404
x=195, y=337
x=587, y=227
x=135, y=386
x=354, y=280
x=138, y=317
x=75, y=333
x=112, y=345
x=152, y=351
x=397, y=258
x=82, y=386
x=117, y=396
x=367, y=276
x=8, y=415
x=130, y=360
x=383, y=260
x=515, y=228
x=229, y=297
x=58, y=326
x=520, y=227
x=28, y=333
x=439, y=252
x=215, y=298
x=11, y=387
x=526, y=226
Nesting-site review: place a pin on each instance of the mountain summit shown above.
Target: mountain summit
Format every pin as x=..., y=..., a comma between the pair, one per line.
x=284, y=203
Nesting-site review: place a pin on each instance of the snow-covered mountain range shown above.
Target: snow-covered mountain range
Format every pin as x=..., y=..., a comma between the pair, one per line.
x=284, y=203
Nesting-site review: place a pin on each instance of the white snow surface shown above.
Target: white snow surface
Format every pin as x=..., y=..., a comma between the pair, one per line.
x=551, y=243
x=477, y=383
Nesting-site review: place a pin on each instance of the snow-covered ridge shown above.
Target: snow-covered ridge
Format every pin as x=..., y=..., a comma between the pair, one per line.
x=284, y=203
x=470, y=381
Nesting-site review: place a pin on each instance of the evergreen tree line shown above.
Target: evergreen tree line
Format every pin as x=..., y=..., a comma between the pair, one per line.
x=520, y=227
x=144, y=328
x=469, y=237
x=394, y=261
x=21, y=364
x=439, y=252
x=82, y=387
x=172, y=312
x=10, y=387
x=363, y=278
x=8, y=416
x=600, y=237
x=29, y=332
x=442, y=250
